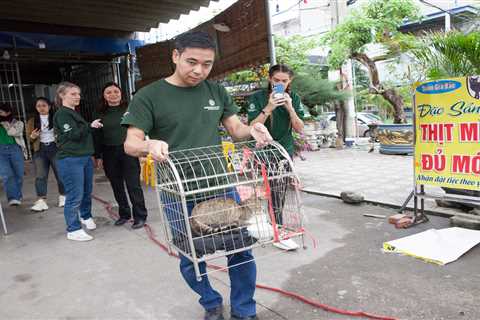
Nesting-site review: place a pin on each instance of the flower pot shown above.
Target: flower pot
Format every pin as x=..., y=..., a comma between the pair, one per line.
x=395, y=138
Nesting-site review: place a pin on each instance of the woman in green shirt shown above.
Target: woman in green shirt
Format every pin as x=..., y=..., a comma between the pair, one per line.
x=74, y=161
x=281, y=113
x=12, y=150
x=120, y=168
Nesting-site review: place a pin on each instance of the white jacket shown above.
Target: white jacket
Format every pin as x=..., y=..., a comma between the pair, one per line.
x=14, y=129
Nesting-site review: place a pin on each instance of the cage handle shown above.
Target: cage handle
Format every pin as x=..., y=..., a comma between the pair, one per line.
x=270, y=206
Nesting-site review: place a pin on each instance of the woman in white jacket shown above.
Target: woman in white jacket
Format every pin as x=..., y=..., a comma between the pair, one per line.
x=12, y=153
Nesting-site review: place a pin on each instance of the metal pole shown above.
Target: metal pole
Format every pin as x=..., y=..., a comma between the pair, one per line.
x=271, y=40
x=129, y=71
x=448, y=26
x=22, y=102
x=356, y=132
x=114, y=73
x=2, y=217
x=447, y=22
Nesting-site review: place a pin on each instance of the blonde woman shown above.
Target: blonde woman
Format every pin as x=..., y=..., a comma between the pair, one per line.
x=74, y=161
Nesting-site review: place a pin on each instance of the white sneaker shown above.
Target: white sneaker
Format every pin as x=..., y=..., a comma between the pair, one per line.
x=40, y=205
x=61, y=201
x=286, y=245
x=79, y=235
x=89, y=223
x=14, y=202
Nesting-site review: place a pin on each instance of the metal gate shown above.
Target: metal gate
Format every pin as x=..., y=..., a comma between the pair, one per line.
x=91, y=78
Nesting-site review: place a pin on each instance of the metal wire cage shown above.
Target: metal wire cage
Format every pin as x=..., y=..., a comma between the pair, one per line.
x=220, y=200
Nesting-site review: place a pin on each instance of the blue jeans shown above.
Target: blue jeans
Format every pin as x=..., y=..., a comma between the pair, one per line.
x=242, y=277
x=43, y=160
x=76, y=174
x=12, y=170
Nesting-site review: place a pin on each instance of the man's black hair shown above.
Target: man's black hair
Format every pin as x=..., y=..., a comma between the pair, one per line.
x=194, y=39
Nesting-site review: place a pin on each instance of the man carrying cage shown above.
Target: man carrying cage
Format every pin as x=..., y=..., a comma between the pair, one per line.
x=183, y=111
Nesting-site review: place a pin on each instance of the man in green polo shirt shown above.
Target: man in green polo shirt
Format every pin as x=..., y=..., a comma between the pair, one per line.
x=183, y=111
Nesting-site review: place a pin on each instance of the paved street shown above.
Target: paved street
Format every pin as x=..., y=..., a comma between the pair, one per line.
x=122, y=274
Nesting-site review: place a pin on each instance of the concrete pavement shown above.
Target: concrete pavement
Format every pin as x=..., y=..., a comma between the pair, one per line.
x=382, y=179
x=123, y=275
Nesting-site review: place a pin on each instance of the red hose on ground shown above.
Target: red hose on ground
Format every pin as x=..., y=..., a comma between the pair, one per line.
x=293, y=295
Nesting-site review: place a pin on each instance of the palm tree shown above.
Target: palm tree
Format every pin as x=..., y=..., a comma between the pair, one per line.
x=450, y=54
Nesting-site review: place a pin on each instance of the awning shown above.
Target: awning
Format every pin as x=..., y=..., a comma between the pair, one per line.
x=77, y=44
x=98, y=16
x=244, y=45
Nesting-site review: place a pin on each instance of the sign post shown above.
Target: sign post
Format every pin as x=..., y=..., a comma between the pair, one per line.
x=447, y=137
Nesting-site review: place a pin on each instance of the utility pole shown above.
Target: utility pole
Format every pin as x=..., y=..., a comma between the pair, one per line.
x=271, y=40
x=338, y=13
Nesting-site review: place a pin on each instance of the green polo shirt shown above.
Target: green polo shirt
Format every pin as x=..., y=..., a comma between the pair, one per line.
x=74, y=137
x=278, y=123
x=4, y=137
x=112, y=133
x=184, y=117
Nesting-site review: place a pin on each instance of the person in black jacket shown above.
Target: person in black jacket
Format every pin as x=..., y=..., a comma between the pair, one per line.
x=74, y=161
x=120, y=168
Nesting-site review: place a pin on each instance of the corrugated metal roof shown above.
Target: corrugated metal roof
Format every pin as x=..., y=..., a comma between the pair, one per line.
x=121, y=15
x=244, y=46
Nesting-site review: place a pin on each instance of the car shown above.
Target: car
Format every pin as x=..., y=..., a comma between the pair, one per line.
x=364, y=119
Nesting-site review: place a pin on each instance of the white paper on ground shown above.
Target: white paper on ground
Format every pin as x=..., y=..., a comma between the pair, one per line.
x=437, y=246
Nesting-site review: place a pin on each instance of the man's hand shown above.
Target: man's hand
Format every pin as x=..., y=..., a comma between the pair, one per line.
x=260, y=133
x=158, y=149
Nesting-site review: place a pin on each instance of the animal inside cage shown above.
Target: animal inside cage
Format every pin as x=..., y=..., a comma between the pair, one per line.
x=221, y=200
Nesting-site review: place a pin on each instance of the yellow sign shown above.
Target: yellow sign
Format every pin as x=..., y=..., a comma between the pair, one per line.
x=447, y=144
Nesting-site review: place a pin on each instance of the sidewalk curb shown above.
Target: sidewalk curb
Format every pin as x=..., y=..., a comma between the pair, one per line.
x=384, y=204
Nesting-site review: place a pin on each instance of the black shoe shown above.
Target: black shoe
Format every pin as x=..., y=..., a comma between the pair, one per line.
x=121, y=221
x=214, y=314
x=138, y=224
x=234, y=317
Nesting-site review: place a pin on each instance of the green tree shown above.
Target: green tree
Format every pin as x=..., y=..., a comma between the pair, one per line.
x=310, y=80
x=316, y=90
x=293, y=51
x=375, y=23
x=449, y=54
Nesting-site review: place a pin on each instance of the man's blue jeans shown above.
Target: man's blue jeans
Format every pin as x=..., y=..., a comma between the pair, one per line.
x=12, y=170
x=242, y=277
x=76, y=174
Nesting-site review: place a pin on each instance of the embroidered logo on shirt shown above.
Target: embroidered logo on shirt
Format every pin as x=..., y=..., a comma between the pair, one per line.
x=66, y=127
x=251, y=107
x=212, y=106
